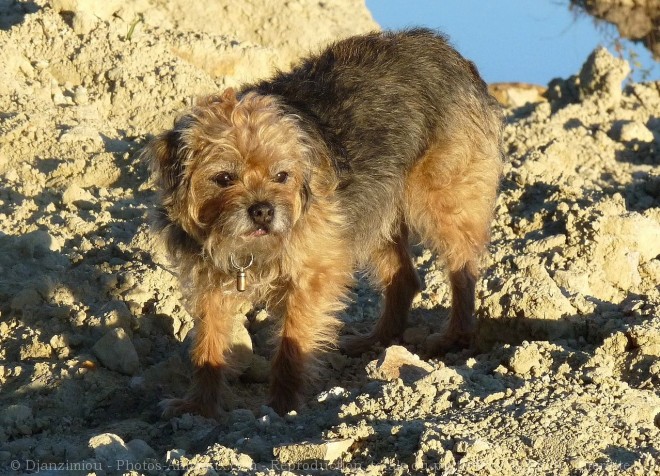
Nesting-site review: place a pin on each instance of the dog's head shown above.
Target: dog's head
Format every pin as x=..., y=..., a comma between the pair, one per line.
x=236, y=175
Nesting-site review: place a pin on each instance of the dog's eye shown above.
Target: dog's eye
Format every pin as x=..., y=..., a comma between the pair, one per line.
x=281, y=177
x=224, y=179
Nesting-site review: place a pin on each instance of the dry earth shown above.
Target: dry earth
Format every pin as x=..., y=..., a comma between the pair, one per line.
x=92, y=330
x=638, y=20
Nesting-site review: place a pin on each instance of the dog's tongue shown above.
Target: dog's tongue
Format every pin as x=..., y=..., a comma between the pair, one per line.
x=260, y=232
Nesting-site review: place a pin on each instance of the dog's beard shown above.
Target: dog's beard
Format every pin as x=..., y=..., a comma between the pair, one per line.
x=236, y=234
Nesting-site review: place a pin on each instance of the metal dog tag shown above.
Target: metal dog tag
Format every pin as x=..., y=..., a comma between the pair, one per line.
x=240, y=281
x=241, y=275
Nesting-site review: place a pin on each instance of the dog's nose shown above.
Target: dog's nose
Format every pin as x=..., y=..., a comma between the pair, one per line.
x=261, y=213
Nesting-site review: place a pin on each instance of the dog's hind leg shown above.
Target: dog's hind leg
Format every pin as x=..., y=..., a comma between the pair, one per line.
x=394, y=273
x=450, y=196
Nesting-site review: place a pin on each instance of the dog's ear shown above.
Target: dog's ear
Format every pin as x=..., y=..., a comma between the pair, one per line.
x=165, y=158
x=319, y=182
x=229, y=96
x=225, y=101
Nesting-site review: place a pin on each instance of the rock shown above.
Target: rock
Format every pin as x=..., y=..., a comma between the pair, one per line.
x=217, y=459
x=525, y=358
x=110, y=449
x=258, y=448
x=259, y=320
x=116, y=351
x=18, y=419
x=117, y=315
x=397, y=362
x=59, y=341
x=624, y=242
x=35, y=349
x=631, y=131
x=242, y=417
x=140, y=450
x=562, y=92
x=59, y=99
x=173, y=455
x=244, y=461
x=338, y=361
x=27, y=297
x=493, y=397
x=305, y=451
x=223, y=457
x=646, y=338
x=447, y=461
x=533, y=294
x=614, y=345
x=445, y=375
x=37, y=244
x=75, y=193
x=601, y=77
x=547, y=243
x=259, y=369
x=336, y=448
x=184, y=422
x=471, y=446
x=331, y=395
x=639, y=408
x=82, y=133
x=83, y=23
x=633, y=231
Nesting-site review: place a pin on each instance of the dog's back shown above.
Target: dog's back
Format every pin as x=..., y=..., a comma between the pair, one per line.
x=379, y=102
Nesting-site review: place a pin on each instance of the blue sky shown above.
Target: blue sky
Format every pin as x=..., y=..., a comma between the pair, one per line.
x=510, y=40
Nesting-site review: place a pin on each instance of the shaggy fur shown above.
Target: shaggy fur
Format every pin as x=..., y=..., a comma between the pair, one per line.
x=319, y=172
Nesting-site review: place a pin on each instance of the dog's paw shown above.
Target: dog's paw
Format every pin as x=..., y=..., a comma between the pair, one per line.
x=172, y=407
x=356, y=345
x=438, y=345
x=283, y=398
x=283, y=404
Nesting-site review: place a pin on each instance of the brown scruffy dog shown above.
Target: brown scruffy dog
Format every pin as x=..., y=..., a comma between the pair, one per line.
x=287, y=187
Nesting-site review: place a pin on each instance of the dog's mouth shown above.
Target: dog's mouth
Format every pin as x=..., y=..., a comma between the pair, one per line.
x=261, y=231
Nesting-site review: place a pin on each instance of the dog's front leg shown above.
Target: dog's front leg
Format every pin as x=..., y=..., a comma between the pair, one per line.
x=309, y=327
x=215, y=313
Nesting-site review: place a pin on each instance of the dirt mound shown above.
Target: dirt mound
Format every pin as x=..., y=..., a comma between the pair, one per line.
x=93, y=333
x=637, y=20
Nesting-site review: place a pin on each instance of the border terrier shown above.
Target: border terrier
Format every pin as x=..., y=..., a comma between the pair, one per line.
x=278, y=193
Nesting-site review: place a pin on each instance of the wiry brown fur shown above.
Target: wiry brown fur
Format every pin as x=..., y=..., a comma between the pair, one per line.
x=376, y=136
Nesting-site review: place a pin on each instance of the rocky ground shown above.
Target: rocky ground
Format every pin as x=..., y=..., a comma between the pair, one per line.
x=565, y=379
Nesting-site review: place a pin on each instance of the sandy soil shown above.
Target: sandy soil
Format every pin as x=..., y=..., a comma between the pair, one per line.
x=566, y=376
